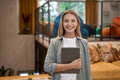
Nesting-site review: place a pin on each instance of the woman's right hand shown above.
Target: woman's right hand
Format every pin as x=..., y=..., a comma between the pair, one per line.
x=76, y=64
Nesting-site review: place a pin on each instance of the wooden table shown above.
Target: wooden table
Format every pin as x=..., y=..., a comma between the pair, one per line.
x=30, y=77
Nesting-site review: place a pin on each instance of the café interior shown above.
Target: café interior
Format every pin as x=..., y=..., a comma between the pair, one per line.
x=27, y=27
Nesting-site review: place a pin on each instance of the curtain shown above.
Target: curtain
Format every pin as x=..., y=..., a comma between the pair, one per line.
x=91, y=12
x=26, y=16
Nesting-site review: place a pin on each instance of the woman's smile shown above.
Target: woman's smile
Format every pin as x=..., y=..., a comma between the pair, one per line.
x=70, y=27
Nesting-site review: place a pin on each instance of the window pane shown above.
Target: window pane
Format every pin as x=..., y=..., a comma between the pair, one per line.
x=58, y=7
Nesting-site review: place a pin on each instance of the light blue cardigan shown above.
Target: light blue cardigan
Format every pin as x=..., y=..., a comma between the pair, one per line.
x=54, y=56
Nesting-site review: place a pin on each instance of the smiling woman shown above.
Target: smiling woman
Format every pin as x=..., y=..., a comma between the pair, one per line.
x=69, y=35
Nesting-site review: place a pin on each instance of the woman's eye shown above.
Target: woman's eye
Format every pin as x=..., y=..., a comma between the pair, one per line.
x=73, y=20
x=65, y=20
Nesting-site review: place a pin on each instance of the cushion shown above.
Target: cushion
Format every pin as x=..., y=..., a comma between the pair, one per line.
x=105, y=51
x=94, y=54
x=116, y=20
x=106, y=31
x=116, y=51
x=115, y=30
x=115, y=27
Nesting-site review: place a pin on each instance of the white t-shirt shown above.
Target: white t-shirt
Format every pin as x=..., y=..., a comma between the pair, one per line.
x=68, y=42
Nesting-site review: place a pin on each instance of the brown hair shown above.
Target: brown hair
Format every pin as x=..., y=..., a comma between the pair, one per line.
x=61, y=30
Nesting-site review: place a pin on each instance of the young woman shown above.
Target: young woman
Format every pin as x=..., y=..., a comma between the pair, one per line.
x=69, y=35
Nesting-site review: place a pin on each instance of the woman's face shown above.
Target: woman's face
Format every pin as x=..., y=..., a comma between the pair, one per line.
x=70, y=23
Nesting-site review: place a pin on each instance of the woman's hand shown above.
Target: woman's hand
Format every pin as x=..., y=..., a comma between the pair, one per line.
x=76, y=64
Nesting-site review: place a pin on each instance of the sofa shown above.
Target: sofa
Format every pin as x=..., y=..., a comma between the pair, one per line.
x=105, y=60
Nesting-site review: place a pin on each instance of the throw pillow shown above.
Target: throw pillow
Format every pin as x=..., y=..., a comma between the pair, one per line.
x=116, y=51
x=105, y=51
x=94, y=54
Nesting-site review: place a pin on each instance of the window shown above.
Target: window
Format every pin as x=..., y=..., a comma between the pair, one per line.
x=58, y=7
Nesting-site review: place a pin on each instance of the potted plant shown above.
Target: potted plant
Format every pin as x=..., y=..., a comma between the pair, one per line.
x=6, y=72
x=26, y=19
